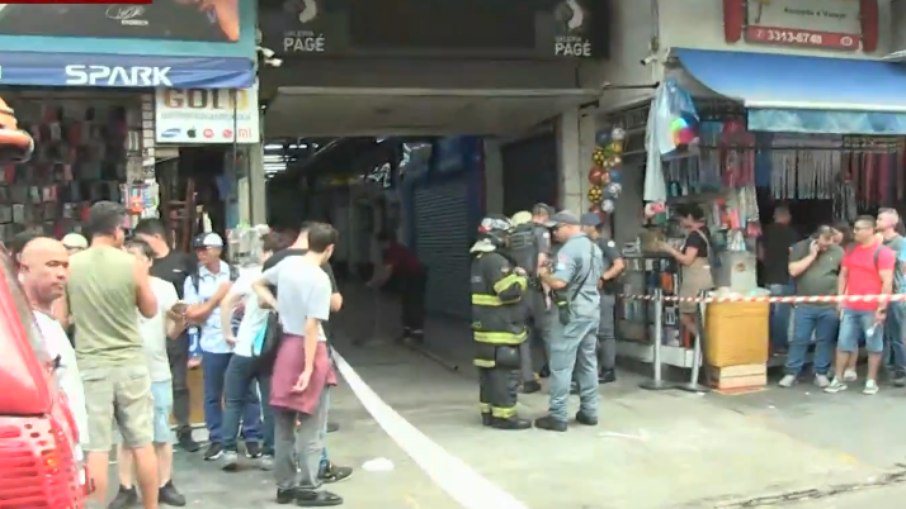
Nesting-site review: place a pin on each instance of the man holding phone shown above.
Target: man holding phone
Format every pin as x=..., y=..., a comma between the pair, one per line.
x=814, y=266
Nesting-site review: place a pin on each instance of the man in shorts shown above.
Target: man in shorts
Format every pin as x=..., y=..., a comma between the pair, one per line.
x=867, y=269
x=165, y=326
x=106, y=285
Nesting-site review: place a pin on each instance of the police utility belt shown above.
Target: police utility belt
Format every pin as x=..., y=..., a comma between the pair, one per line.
x=564, y=302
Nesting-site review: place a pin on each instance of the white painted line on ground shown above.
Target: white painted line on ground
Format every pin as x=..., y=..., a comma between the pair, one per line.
x=453, y=475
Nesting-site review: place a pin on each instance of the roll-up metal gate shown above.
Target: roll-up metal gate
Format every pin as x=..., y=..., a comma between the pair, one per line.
x=442, y=229
x=529, y=172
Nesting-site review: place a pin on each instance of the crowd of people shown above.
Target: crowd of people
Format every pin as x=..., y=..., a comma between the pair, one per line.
x=127, y=318
x=867, y=258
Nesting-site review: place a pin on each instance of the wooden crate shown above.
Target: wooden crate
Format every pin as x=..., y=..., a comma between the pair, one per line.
x=733, y=378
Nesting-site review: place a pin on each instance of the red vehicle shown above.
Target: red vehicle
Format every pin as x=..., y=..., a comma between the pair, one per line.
x=41, y=463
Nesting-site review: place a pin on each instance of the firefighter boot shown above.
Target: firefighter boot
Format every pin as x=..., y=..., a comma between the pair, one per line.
x=514, y=423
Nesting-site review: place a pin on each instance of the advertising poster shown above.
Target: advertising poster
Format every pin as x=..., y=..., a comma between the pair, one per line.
x=187, y=20
x=199, y=116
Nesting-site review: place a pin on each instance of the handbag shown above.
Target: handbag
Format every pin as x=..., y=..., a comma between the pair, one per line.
x=267, y=343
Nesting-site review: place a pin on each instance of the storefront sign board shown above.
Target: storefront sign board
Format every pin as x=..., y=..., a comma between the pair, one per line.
x=123, y=71
x=830, y=24
x=191, y=116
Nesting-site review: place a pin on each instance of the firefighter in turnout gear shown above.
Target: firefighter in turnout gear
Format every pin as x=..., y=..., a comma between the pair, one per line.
x=498, y=324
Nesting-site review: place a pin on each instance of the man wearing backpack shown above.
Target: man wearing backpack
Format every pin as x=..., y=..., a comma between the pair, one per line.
x=894, y=349
x=203, y=291
x=867, y=269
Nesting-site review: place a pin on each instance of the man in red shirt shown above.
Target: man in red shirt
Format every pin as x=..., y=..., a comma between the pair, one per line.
x=404, y=273
x=867, y=269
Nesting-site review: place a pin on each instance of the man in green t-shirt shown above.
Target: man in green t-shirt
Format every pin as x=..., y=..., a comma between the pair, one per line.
x=814, y=266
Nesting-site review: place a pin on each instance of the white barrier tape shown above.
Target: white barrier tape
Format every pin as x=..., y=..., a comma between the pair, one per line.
x=797, y=299
x=462, y=483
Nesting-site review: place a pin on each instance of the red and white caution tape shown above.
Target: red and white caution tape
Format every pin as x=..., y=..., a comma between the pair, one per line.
x=797, y=299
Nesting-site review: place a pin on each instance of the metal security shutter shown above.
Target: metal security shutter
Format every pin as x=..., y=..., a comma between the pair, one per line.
x=442, y=243
x=529, y=173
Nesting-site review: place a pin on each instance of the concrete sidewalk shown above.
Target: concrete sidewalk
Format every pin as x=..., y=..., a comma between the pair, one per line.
x=778, y=448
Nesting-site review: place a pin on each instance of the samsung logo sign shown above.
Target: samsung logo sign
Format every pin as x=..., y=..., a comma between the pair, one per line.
x=118, y=76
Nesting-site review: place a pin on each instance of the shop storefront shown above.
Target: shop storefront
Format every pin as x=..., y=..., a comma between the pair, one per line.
x=745, y=132
x=91, y=111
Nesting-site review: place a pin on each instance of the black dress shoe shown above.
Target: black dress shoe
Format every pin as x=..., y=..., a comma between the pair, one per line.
x=607, y=376
x=287, y=496
x=486, y=419
x=186, y=442
x=549, y=423
x=585, y=419
x=531, y=387
x=169, y=495
x=125, y=498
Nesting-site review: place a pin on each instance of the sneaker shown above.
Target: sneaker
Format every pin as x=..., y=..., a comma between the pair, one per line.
x=187, y=443
x=125, y=497
x=287, y=496
x=586, y=419
x=252, y=450
x=549, y=423
x=871, y=388
x=787, y=381
x=169, y=495
x=850, y=375
x=230, y=461
x=266, y=462
x=333, y=473
x=835, y=387
x=215, y=450
x=821, y=381
x=899, y=380
x=607, y=376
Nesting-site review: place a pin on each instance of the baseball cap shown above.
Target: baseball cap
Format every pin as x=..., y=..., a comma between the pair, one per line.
x=207, y=240
x=562, y=217
x=544, y=206
x=75, y=241
x=590, y=219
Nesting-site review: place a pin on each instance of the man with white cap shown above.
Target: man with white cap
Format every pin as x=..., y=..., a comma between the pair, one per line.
x=75, y=242
x=578, y=267
x=203, y=291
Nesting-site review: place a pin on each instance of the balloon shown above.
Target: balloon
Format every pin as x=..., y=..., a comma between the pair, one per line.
x=608, y=206
x=618, y=134
x=605, y=178
x=595, y=194
x=595, y=174
x=602, y=138
x=613, y=191
x=615, y=175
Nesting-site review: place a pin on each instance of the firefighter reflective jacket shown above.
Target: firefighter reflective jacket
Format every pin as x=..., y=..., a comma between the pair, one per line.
x=498, y=314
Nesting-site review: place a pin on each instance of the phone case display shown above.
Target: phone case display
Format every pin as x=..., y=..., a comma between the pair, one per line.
x=644, y=275
x=82, y=149
x=141, y=200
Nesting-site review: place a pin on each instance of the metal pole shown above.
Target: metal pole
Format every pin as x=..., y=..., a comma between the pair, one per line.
x=693, y=385
x=657, y=383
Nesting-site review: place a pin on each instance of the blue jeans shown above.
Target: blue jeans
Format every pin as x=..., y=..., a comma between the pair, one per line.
x=241, y=399
x=856, y=325
x=894, y=349
x=780, y=317
x=573, y=347
x=325, y=462
x=807, y=320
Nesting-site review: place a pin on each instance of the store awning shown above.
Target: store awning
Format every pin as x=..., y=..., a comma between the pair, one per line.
x=124, y=71
x=801, y=94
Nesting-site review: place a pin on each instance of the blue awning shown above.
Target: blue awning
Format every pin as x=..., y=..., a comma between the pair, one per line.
x=801, y=94
x=110, y=70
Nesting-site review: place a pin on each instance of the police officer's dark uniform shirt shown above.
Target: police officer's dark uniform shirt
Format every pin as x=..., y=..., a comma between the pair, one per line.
x=611, y=254
x=174, y=269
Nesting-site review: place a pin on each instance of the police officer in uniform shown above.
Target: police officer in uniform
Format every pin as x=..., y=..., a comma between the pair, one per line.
x=573, y=341
x=498, y=324
x=613, y=267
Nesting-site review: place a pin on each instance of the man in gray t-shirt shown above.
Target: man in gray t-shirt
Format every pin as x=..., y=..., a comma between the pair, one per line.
x=814, y=266
x=304, y=293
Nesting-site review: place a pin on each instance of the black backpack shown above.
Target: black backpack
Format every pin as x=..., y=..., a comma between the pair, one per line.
x=524, y=249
